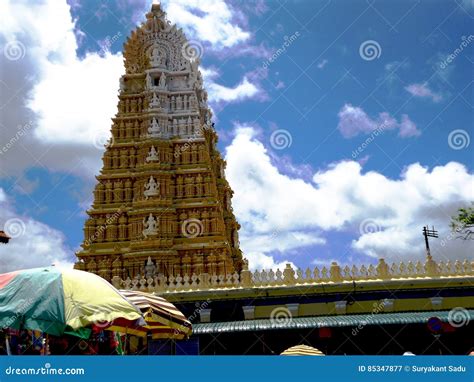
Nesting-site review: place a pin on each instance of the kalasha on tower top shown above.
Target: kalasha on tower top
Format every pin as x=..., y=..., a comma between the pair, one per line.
x=162, y=205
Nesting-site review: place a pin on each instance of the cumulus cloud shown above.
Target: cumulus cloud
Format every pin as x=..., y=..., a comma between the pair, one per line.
x=354, y=120
x=283, y=214
x=60, y=101
x=423, y=91
x=243, y=90
x=208, y=20
x=33, y=244
x=70, y=105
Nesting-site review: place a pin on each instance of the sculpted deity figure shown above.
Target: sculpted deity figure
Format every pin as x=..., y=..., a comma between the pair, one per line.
x=162, y=83
x=193, y=104
x=152, y=188
x=154, y=128
x=149, y=82
x=150, y=268
x=179, y=103
x=155, y=102
x=157, y=57
x=152, y=155
x=150, y=226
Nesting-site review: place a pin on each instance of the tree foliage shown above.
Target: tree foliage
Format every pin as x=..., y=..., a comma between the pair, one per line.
x=463, y=222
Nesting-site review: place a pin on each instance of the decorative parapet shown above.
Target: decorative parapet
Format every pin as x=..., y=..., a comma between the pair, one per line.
x=290, y=277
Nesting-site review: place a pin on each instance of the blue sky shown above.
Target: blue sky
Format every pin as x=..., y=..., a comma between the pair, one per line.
x=346, y=125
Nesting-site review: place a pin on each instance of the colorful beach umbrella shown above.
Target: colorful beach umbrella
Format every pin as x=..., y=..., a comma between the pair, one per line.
x=302, y=350
x=163, y=319
x=55, y=300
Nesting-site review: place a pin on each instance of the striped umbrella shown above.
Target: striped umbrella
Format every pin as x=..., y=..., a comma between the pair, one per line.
x=302, y=350
x=163, y=319
x=56, y=300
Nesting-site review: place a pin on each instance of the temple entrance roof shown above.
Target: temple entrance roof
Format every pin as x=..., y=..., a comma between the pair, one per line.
x=323, y=321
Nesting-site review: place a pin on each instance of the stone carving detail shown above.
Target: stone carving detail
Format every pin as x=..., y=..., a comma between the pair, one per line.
x=157, y=56
x=149, y=82
x=153, y=155
x=201, y=280
x=152, y=188
x=155, y=102
x=154, y=129
x=162, y=83
x=150, y=226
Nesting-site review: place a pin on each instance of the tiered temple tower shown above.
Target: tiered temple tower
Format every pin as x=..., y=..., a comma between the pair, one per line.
x=162, y=205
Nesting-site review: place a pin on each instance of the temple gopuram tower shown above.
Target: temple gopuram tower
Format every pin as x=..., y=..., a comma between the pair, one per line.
x=162, y=205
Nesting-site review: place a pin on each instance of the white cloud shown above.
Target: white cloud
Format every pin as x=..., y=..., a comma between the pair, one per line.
x=33, y=244
x=272, y=207
x=69, y=99
x=423, y=91
x=322, y=64
x=207, y=20
x=76, y=98
x=258, y=260
x=244, y=90
x=354, y=120
x=222, y=94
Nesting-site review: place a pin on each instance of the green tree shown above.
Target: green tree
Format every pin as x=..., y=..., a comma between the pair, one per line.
x=463, y=223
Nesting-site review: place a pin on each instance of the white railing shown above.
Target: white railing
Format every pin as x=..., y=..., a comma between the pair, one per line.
x=289, y=277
